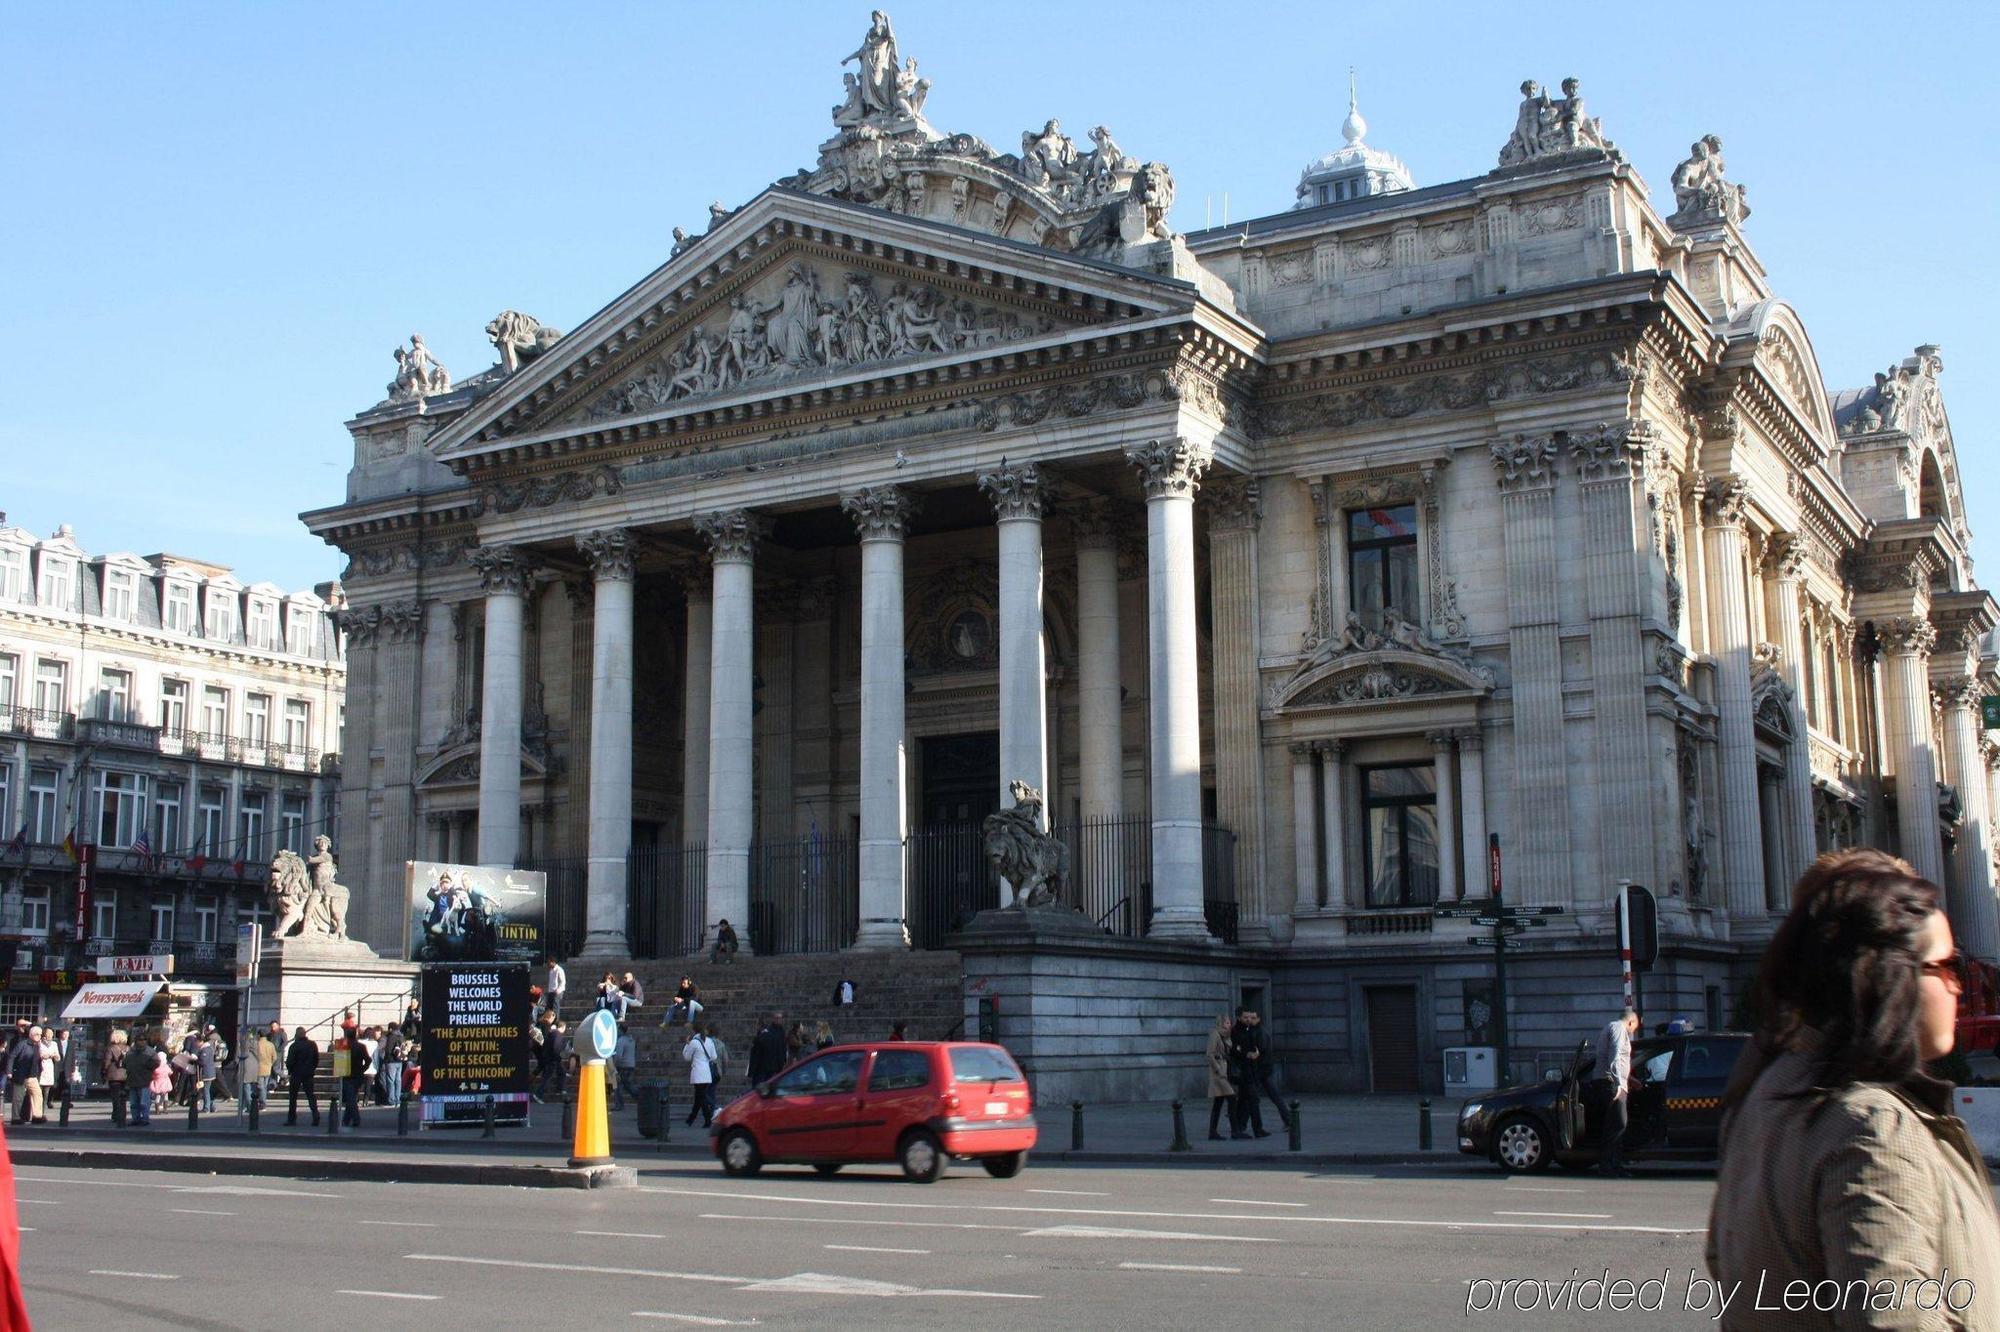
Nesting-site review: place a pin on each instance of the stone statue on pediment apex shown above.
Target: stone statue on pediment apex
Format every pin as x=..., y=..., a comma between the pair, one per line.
x=418, y=374
x=1700, y=189
x=1546, y=127
x=1049, y=158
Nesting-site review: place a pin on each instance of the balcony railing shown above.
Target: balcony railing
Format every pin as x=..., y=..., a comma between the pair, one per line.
x=40, y=723
x=173, y=742
x=118, y=734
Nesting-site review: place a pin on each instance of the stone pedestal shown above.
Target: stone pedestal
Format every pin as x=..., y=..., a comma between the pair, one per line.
x=313, y=982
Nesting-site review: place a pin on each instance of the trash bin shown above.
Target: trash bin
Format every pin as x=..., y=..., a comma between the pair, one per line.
x=649, y=1110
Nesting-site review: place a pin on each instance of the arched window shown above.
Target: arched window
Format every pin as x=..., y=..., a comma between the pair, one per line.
x=1930, y=489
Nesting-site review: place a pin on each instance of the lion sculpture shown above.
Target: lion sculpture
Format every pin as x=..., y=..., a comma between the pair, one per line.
x=1033, y=862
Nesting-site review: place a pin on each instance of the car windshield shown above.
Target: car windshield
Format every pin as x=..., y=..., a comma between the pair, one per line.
x=839, y=1071
x=982, y=1063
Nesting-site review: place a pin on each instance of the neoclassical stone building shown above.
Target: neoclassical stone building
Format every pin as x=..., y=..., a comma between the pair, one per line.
x=1286, y=560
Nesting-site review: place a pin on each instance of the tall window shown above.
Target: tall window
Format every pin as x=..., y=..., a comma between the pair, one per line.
x=214, y=712
x=44, y=785
x=104, y=915
x=35, y=909
x=292, y=823
x=167, y=814
x=10, y=680
x=173, y=706
x=221, y=623
x=300, y=623
x=7, y=825
x=121, y=594
x=51, y=685
x=210, y=815
x=252, y=848
x=298, y=724
x=13, y=573
x=121, y=807
x=58, y=583
x=1382, y=562
x=1830, y=672
x=1399, y=834
x=163, y=919
x=205, y=912
x=257, y=719
x=177, y=607
x=114, y=695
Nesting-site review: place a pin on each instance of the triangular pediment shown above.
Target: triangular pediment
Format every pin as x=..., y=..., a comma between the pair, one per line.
x=1383, y=674
x=794, y=296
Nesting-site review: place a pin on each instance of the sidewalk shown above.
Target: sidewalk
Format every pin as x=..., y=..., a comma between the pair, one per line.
x=1338, y=1130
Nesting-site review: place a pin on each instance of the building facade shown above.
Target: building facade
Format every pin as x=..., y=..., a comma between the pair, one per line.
x=180, y=724
x=1285, y=562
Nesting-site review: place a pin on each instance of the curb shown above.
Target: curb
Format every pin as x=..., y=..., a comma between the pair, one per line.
x=385, y=1172
x=1280, y=1158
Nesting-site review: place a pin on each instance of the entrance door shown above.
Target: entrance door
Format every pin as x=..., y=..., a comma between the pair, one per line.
x=950, y=877
x=961, y=778
x=1392, y=1038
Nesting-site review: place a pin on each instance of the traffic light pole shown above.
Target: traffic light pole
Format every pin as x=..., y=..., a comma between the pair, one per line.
x=1625, y=945
x=1499, y=955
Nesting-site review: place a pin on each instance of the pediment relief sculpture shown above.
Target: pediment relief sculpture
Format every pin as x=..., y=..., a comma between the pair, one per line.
x=1364, y=664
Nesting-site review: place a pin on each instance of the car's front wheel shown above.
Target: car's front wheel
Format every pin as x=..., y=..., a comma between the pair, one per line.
x=739, y=1153
x=1006, y=1166
x=1520, y=1145
x=921, y=1157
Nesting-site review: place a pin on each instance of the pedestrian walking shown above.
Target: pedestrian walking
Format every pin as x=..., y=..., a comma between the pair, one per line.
x=767, y=1050
x=555, y=1053
x=301, y=1065
x=261, y=1065
x=350, y=1066
x=24, y=1069
x=14, y=1038
x=393, y=1057
x=703, y=1069
x=1263, y=1068
x=1221, y=1091
x=725, y=943
x=1841, y=1163
x=552, y=993
x=69, y=1067
x=371, y=1046
x=1610, y=1091
x=115, y=1051
x=624, y=1066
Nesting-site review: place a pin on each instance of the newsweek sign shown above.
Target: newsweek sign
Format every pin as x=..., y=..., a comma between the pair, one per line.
x=137, y=964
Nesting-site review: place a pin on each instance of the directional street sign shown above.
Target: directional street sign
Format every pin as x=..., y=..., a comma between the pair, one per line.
x=1513, y=925
x=1486, y=941
x=1457, y=912
x=1533, y=910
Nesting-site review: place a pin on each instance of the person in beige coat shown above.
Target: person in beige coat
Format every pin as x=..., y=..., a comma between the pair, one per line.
x=1848, y=1194
x=1221, y=1091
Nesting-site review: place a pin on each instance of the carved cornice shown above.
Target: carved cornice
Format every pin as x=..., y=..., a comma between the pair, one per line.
x=1479, y=386
x=880, y=513
x=1906, y=635
x=1525, y=462
x=1016, y=491
x=415, y=557
x=1611, y=451
x=1724, y=500
x=610, y=553
x=1168, y=468
x=1234, y=503
x=732, y=534
x=502, y=569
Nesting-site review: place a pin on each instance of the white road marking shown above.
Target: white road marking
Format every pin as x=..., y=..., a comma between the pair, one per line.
x=1535, y=1188
x=249, y=1191
x=1266, y=1219
x=389, y=1294
x=141, y=1276
x=1180, y=1267
x=622, y=1234
x=198, y=1211
x=424, y=1225
x=579, y=1267
x=1572, y=1216
x=858, y=1221
x=1257, y=1202
x=38, y=1202
x=1073, y=1193
x=869, y=1248
x=810, y=1283
x=696, y=1319
x=1121, y=1232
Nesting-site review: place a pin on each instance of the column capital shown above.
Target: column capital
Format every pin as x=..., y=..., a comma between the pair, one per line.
x=1785, y=556
x=1093, y=522
x=401, y=621
x=609, y=550
x=503, y=570
x=732, y=534
x=1335, y=749
x=1302, y=750
x=1169, y=468
x=1016, y=491
x=1524, y=462
x=359, y=623
x=1442, y=741
x=1957, y=691
x=1723, y=500
x=1610, y=450
x=1470, y=738
x=880, y=513
x=1235, y=503
x=1906, y=636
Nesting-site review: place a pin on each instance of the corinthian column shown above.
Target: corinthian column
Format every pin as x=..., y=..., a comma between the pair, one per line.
x=699, y=585
x=610, y=555
x=1970, y=893
x=1736, y=743
x=1100, y=706
x=1907, y=644
x=1783, y=562
x=1235, y=505
x=504, y=574
x=1016, y=493
x=879, y=516
x=1171, y=471
x=732, y=537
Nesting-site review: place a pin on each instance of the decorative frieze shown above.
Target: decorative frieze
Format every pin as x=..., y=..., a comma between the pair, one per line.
x=609, y=551
x=1457, y=391
x=1525, y=462
x=880, y=513
x=501, y=569
x=420, y=555
x=541, y=491
x=1168, y=468
x=732, y=534
x=1016, y=491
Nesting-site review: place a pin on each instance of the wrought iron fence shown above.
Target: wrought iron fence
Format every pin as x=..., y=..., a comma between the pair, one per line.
x=563, y=923
x=1218, y=880
x=804, y=894
x=666, y=900
x=1110, y=863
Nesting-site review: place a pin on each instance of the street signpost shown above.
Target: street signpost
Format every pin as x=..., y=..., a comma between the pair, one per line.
x=1507, y=923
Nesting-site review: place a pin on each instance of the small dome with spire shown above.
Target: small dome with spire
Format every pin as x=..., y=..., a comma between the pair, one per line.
x=1355, y=170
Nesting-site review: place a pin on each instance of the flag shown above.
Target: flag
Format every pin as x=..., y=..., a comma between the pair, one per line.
x=144, y=846
x=197, y=862
x=69, y=846
x=20, y=843
x=236, y=867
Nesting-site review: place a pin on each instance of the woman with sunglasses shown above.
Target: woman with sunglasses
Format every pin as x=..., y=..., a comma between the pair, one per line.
x=1842, y=1165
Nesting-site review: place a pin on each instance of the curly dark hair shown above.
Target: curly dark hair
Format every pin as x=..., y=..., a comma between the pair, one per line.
x=1840, y=980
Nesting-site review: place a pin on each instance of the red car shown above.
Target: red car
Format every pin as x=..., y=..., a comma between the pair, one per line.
x=917, y=1103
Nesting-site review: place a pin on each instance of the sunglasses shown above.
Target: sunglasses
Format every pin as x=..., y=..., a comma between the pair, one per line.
x=1945, y=969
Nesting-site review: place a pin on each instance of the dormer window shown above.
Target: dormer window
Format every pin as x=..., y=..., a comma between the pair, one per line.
x=177, y=608
x=57, y=589
x=263, y=631
x=13, y=573
x=221, y=618
x=121, y=594
x=300, y=623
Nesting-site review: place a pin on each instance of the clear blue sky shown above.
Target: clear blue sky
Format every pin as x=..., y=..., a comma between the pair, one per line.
x=223, y=217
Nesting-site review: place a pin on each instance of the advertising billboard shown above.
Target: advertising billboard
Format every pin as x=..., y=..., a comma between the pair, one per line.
x=472, y=913
x=475, y=1042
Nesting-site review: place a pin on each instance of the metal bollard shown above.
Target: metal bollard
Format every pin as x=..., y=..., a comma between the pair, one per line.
x=252, y=1105
x=1424, y=1124
x=1076, y=1126
x=568, y=1116
x=486, y=1129
x=194, y=1112
x=403, y=1117
x=1298, y=1140
x=1180, y=1142
x=62, y=1119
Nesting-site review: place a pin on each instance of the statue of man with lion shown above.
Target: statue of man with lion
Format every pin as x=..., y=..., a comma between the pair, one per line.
x=305, y=895
x=1033, y=862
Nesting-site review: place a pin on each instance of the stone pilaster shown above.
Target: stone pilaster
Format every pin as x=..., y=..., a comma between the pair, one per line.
x=1736, y=747
x=699, y=584
x=1234, y=507
x=1906, y=644
x=1443, y=745
x=1970, y=892
x=504, y=573
x=1017, y=496
x=610, y=554
x=880, y=515
x=1100, y=701
x=1308, y=894
x=1334, y=890
x=732, y=537
x=1472, y=811
x=1525, y=465
x=398, y=666
x=1784, y=562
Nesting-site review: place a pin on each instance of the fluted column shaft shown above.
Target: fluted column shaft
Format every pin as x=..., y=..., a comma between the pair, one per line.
x=610, y=555
x=732, y=538
x=1333, y=825
x=1907, y=645
x=1234, y=505
x=1016, y=493
x=1736, y=744
x=880, y=515
x=1442, y=745
x=1973, y=910
x=1171, y=470
x=1472, y=812
x=694, y=710
x=504, y=575
x=1796, y=800
x=1307, y=892
x=1100, y=705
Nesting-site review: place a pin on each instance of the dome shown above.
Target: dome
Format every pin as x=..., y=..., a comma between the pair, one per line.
x=1354, y=170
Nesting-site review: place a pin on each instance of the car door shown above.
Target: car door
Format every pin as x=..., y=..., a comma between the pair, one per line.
x=1574, y=1124
x=1694, y=1098
x=812, y=1112
x=902, y=1090
x=1646, y=1110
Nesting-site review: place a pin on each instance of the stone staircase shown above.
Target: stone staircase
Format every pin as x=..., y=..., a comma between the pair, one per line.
x=923, y=990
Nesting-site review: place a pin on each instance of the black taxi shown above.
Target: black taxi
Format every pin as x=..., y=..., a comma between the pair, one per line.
x=1675, y=1106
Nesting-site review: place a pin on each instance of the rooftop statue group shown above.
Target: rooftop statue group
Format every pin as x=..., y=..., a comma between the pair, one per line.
x=1552, y=126
x=1700, y=191
x=305, y=894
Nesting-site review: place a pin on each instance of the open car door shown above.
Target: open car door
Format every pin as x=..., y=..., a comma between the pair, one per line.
x=1571, y=1112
